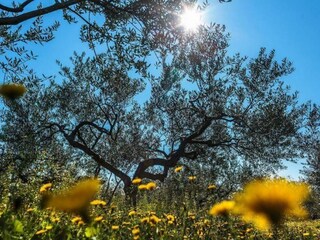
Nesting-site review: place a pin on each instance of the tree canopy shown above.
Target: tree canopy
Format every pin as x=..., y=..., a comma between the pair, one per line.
x=202, y=106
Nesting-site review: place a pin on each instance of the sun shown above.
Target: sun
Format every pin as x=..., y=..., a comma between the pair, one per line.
x=191, y=19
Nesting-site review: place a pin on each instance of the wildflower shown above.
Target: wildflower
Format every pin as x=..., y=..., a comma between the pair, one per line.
x=151, y=185
x=178, y=169
x=115, y=227
x=41, y=231
x=131, y=213
x=144, y=220
x=267, y=202
x=192, y=178
x=45, y=187
x=49, y=227
x=98, y=202
x=170, y=218
x=222, y=209
x=306, y=234
x=76, y=199
x=135, y=231
x=12, y=91
x=154, y=219
x=98, y=219
x=76, y=219
x=143, y=187
x=136, y=181
x=211, y=187
x=191, y=215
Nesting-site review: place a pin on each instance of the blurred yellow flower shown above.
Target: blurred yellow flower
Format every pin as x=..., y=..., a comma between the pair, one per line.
x=148, y=186
x=222, y=209
x=12, y=91
x=211, y=187
x=75, y=199
x=49, y=227
x=76, y=219
x=143, y=187
x=136, y=181
x=136, y=231
x=170, y=218
x=115, y=227
x=98, y=219
x=154, y=219
x=192, y=178
x=151, y=185
x=98, y=202
x=178, y=169
x=131, y=213
x=41, y=231
x=267, y=202
x=45, y=187
x=144, y=220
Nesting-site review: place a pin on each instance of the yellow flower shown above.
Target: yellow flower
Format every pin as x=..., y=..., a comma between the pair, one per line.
x=191, y=215
x=115, y=227
x=98, y=219
x=49, y=227
x=266, y=203
x=143, y=187
x=178, y=169
x=45, y=187
x=192, y=178
x=211, y=187
x=98, y=202
x=75, y=199
x=136, y=181
x=151, y=185
x=135, y=231
x=222, y=209
x=170, y=218
x=154, y=219
x=41, y=231
x=131, y=213
x=12, y=91
x=144, y=220
x=76, y=219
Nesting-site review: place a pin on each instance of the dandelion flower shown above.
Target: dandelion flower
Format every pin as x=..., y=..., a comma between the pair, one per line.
x=131, y=213
x=41, y=231
x=136, y=181
x=151, y=186
x=192, y=178
x=45, y=187
x=154, y=219
x=136, y=231
x=115, y=228
x=143, y=187
x=75, y=199
x=98, y=202
x=12, y=91
x=98, y=219
x=178, y=169
x=266, y=203
x=222, y=209
x=211, y=187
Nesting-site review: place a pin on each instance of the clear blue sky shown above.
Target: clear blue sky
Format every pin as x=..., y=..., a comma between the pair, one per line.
x=291, y=27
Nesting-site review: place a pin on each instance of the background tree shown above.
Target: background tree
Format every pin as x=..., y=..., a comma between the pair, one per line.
x=203, y=107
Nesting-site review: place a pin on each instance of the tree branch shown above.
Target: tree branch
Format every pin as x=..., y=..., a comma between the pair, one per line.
x=18, y=9
x=36, y=13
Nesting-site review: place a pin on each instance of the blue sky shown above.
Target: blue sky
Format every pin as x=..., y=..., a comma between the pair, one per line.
x=291, y=27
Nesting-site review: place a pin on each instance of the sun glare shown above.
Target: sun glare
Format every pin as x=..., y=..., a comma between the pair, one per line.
x=190, y=19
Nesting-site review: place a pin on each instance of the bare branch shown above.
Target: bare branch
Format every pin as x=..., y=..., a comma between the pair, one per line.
x=36, y=13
